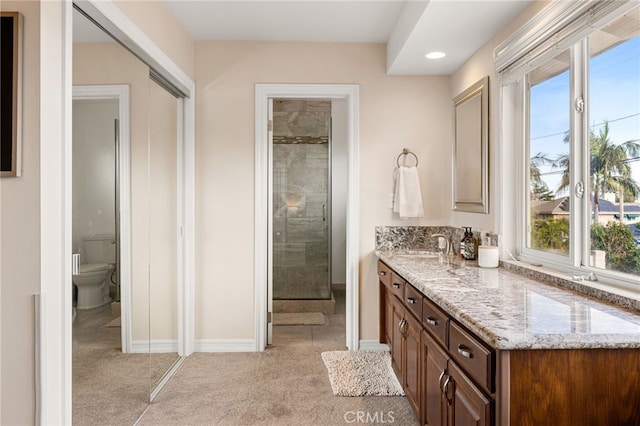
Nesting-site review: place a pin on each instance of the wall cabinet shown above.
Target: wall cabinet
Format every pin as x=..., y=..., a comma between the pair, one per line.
x=452, y=377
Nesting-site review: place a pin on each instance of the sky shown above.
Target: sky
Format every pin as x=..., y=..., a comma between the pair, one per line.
x=614, y=95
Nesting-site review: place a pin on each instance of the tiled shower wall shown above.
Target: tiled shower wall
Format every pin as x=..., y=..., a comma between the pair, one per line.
x=300, y=194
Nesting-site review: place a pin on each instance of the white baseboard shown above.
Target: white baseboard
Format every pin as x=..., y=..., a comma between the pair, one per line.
x=373, y=345
x=155, y=346
x=225, y=345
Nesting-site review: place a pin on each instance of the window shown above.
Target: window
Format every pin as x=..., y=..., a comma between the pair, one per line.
x=549, y=110
x=577, y=93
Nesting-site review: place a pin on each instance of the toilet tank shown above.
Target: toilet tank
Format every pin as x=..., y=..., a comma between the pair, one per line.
x=100, y=248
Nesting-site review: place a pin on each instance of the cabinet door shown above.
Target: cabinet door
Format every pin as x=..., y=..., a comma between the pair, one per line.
x=397, y=320
x=388, y=318
x=434, y=369
x=468, y=405
x=411, y=361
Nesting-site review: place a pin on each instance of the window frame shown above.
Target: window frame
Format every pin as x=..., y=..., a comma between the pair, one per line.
x=514, y=60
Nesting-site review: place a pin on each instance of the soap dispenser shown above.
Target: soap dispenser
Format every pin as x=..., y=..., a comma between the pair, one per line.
x=463, y=241
x=470, y=245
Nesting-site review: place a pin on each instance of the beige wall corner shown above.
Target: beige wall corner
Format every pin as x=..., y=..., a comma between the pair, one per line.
x=478, y=66
x=156, y=20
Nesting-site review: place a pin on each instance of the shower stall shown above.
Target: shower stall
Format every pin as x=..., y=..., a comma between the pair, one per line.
x=301, y=199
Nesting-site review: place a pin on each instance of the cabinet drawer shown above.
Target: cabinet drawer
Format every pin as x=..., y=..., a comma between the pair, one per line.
x=413, y=300
x=397, y=286
x=384, y=274
x=435, y=321
x=472, y=356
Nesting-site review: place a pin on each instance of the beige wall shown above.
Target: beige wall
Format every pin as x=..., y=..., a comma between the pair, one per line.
x=478, y=66
x=163, y=148
x=156, y=20
x=20, y=239
x=395, y=112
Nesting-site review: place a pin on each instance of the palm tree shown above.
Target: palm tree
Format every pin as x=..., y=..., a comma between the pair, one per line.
x=538, y=185
x=610, y=170
x=563, y=162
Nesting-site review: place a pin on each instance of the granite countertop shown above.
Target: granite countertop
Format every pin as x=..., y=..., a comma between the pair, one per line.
x=510, y=311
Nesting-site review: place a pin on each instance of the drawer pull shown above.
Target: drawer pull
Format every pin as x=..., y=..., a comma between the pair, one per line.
x=465, y=352
x=396, y=285
x=383, y=273
x=440, y=380
x=431, y=321
x=445, y=390
x=411, y=300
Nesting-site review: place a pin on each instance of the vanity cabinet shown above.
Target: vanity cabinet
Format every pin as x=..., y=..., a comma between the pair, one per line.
x=427, y=352
x=449, y=397
x=402, y=331
x=458, y=379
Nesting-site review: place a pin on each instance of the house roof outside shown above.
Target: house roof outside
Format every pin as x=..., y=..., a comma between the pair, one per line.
x=560, y=206
x=609, y=207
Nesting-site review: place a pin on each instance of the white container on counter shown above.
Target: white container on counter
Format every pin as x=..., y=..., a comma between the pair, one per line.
x=488, y=256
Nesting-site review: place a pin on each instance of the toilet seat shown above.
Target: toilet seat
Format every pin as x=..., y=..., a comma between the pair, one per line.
x=94, y=267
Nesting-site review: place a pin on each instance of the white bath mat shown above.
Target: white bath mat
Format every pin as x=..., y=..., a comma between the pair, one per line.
x=361, y=373
x=113, y=323
x=298, y=318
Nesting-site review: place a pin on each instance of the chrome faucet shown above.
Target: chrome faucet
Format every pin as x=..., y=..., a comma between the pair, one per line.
x=448, y=245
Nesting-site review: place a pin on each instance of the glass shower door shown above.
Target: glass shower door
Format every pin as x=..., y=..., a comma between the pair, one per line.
x=301, y=200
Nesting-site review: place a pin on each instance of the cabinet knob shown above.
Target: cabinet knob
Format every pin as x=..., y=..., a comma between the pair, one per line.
x=383, y=273
x=431, y=321
x=396, y=285
x=465, y=352
x=411, y=300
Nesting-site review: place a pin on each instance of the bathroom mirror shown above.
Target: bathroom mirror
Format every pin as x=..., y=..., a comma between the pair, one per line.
x=471, y=149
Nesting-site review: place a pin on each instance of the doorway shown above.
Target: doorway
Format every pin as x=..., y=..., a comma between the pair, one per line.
x=103, y=172
x=302, y=143
x=299, y=211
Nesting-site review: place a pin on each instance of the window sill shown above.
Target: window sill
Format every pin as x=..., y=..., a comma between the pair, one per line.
x=599, y=290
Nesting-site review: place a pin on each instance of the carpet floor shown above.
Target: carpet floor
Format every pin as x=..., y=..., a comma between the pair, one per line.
x=285, y=385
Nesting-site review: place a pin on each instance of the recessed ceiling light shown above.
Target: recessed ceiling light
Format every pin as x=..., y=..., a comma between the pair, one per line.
x=435, y=55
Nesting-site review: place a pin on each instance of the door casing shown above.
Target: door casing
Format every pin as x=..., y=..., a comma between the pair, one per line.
x=263, y=284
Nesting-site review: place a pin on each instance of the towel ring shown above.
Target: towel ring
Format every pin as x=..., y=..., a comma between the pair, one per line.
x=405, y=151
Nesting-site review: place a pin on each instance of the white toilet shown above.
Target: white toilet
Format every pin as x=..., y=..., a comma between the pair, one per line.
x=93, y=281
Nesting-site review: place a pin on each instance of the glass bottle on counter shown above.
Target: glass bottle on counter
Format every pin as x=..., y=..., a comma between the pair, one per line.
x=470, y=245
x=462, y=242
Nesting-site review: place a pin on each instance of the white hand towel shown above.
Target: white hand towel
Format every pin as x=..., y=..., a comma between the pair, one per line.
x=407, y=200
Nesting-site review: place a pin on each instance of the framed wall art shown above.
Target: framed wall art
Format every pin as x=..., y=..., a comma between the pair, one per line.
x=10, y=93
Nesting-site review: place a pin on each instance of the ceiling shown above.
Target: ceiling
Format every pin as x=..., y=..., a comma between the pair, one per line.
x=410, y=29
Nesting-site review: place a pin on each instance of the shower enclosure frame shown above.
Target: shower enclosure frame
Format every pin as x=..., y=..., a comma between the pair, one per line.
x=327, y=209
